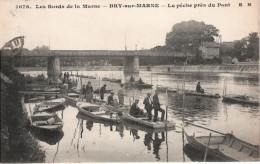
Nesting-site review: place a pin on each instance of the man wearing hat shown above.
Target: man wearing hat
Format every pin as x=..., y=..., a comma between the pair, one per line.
x=121, y=95
x=135, y=111
x=103, y=91
x=157, y=107
x=148, y=105
x=110, y=99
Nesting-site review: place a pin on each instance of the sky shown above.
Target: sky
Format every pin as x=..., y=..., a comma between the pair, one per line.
x=108, y=29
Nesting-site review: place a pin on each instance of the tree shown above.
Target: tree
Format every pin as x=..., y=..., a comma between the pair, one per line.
x=193, y=32
x=253, y=47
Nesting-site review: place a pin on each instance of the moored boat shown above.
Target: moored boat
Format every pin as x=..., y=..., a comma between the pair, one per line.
x=97, y=91
x=163, y=89
x=46, y=121
x=120, y=109
x=86, y=117
x=48, y=106
x=143, y=121
x=92, y=77
x=70, y=101
x=97, y=112
x=138, y=85
x=225, y=147
x=115, y=80
x=105, y=79
x=83, y=76
x=205, y=94
x=241, y=99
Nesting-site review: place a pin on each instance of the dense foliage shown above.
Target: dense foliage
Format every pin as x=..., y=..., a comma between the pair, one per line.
x=190, y=34
x=17, y=144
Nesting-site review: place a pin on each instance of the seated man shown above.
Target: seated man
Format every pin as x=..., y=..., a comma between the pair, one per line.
x=135, y=111
x=132, y=78
x=110, y=99
x=140, y=81
x=199, y=89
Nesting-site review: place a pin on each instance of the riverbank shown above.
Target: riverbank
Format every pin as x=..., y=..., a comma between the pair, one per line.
x=17, y=143
x=238, y=69
x=243, y=69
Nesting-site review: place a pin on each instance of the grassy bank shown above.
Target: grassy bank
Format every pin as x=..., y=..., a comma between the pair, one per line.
x=17, y=144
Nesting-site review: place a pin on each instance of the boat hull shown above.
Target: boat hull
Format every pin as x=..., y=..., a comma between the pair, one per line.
x=238, y=100
x=148, y=124
x=99, y=117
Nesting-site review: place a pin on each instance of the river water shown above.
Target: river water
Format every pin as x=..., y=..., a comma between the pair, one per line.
x=85, y=140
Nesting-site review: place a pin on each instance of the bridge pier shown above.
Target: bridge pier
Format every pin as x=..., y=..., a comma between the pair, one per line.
x=131, y=65
x=53, y=68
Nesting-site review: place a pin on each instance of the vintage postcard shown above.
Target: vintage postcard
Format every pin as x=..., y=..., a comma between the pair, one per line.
x=129, y=81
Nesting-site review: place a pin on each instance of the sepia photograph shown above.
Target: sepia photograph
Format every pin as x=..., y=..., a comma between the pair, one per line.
x=129, y=81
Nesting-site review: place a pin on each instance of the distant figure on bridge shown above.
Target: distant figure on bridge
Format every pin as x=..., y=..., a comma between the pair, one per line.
x=132, y=79
x=110, y=99
x=140, y=81
x=135, y=111
x=89, y=93
x=65, y=75
x=103, y=91
x=199, y=89
x=121, y=95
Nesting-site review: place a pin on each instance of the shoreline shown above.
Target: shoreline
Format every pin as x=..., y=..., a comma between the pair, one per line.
x=234, y=69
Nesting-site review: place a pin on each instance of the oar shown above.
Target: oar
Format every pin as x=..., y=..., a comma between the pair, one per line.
x=205, y=156
x=205, y=128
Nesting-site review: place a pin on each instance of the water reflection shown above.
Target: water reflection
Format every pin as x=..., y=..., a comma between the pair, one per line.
x=48, y=137
x=157, y=144
x=88, y=140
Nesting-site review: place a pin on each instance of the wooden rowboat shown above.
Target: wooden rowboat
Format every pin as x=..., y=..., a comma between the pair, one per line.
x=205, y=94
x=86, y=117
x=97, y=112
x=70, y=101
x=120, y=109
x=97, y=91
x=115, y=80
x=138, y=85
x=105, y=79
x=163, y=89
x=92, y=77
x=143, y=121
x=48, y=106
x=225, y=147
x=83, y=76
x=46, y=121
x=241, y=99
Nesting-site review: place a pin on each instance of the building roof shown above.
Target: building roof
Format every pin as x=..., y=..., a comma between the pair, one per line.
x=210, y=44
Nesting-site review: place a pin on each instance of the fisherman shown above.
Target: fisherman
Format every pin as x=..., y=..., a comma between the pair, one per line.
x=135, y=111
x=148, y=105
x=199, y=89
x=121, y=94
x=157, y=107
x=84, y=90
x=89, y=92
x=103, y=91
x=110, y=99
x=132, y=78
x=140, y=81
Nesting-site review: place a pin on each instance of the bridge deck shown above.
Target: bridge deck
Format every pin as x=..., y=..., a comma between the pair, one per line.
x=95, y=53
